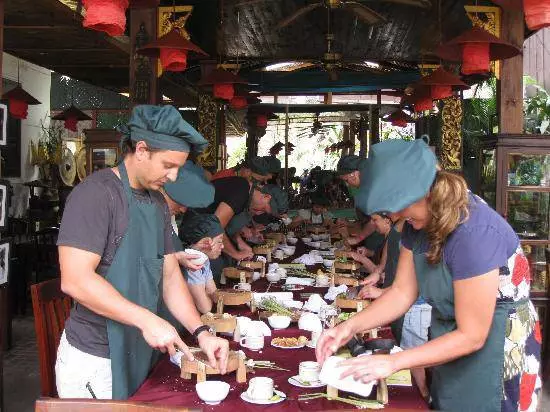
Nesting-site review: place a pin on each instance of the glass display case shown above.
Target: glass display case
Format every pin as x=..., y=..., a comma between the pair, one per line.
x=515, y=180
x=102, y=149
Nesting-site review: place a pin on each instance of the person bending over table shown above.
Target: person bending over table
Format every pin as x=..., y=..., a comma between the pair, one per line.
x=254, y=170
x=466, y=261
x=205, y=234
x=117, y=263
x=233, y=196
x=410, y=330
x=317, y=215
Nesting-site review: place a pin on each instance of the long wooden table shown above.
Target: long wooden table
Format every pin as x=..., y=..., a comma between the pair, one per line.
x=164, y=385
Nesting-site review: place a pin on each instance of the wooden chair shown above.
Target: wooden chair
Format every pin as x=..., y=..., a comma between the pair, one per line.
x=46, y=257
x=96, y=405
x=51, y=308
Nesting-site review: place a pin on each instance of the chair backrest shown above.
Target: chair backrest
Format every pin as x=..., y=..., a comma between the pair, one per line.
x=96, y=405
x=51, y=308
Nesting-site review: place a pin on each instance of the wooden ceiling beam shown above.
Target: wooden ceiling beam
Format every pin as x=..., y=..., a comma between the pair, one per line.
x=43, y=27
x=56, y=50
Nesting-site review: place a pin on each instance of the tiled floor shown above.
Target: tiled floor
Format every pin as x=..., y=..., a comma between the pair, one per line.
x=22, y=379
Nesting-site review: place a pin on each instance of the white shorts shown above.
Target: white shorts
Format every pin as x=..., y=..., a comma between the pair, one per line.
x=76, y=372
x=415, y=326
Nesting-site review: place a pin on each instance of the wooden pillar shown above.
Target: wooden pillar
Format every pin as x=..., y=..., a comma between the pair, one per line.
x=374, y=123
x=144, y=84
x=353, y=133
x=345, y=135
x=362, y=135
x=510, y=86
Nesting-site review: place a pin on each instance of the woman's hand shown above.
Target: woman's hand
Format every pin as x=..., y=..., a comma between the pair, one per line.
x=370, y=292
x=371, y=279
x=368, y=368
x=332, y=339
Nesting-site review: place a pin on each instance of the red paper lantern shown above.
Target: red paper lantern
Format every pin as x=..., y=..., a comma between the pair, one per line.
x=70, y=123
x=423, y=103
x=238, y=102
x=475, y=58
x=173, y=60
x=441, y=92
x=18, y=108
x=224, y=91
x=537, y=13
x=261, y=120
x=108, y=16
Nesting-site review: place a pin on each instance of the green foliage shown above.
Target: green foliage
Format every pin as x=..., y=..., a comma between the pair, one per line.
x=529, y=172
x=537, y=110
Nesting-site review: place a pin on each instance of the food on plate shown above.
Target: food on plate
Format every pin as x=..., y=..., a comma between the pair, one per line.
x=289, y=342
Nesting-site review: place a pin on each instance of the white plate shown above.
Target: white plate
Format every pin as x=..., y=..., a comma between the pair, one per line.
x=309, y=345
x=287, y=347
x=295, y=381
x=244, y=397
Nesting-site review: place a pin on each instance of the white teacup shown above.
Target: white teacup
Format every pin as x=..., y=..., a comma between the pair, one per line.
x=260, y=388
x=252, y=342
x=315, y=335
x=315, y=252
x=273, y=266
x=243, y=286
x=256, y=276
x=309, y=371
x=279, y=254
x=322, y=280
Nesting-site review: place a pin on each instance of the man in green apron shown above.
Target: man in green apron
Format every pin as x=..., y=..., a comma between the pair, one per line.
x=117, y=263
x=466, y=261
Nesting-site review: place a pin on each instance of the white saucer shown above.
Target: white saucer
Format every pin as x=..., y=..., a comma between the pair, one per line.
x=295, y=381
x=244, y=397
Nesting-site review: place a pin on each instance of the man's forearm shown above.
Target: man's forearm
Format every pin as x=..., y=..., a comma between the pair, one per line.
x=228, y=247
x=177, y=297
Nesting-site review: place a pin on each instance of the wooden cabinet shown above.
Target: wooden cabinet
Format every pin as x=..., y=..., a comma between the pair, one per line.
x=102, y=149
x=515, y=180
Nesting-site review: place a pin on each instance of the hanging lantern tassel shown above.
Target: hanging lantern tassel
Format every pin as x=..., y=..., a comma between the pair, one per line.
x=261, y=120
x=224, y=91
x=238, y=102
x=475, y=58
x=173, y=60
x=537, y=13
x=108, y=16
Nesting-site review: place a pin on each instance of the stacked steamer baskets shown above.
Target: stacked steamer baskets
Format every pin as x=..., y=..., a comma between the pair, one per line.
x=266, y=249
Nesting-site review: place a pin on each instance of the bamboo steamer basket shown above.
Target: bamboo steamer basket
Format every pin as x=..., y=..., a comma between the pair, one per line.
x=356, y=304
x=220, y=324
x=237, y=273
x=201, y=369
x=250, y=264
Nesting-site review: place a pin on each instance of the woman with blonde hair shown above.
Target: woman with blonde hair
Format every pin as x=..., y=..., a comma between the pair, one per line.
x=466, y=261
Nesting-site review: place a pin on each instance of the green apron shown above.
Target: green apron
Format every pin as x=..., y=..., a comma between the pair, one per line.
x=375, y=242
x=390, y=269
x=136, y=274
x=473, y=382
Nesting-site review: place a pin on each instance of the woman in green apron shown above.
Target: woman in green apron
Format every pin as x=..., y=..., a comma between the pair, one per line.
x=467, y=263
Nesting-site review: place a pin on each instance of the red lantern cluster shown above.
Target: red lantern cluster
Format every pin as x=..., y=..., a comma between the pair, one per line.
x=19, y=101
x=108, y=16
x=399, y=118
x=537, y=13
x=71, y=117
x=238, y=102
x=224, y=91
x=441, y=84
x=475, y=58
x=261, y=120
x=172, y=49
x=222, y=83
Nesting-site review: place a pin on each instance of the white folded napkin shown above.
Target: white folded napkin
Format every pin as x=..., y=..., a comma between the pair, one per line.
x=335, y=291
x=314, y=303
x=306, y=259
x=293, y=304
x=330, y=375
x=292, y=280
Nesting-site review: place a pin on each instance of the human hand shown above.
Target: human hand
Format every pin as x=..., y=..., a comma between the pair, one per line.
x=244, y=255
x=161, y=335
x=353, y=240
x=331, y=340
x=369, y=367
x=355, y=256
x=370, y=292
x=362, y=250
x=371, y=279
x=187, y=261
x=217, y=350
x=246, y=232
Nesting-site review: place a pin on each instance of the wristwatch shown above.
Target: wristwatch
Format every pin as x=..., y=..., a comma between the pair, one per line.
x=203, y=328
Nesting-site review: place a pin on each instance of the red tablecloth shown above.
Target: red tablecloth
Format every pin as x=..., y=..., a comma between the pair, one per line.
x=165, y=386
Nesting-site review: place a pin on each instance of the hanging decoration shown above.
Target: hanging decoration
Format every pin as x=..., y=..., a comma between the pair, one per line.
x=19, y=101
x=420, y=99
x=223, y=83
x=261, y=120
x=537, y=13
x=108, y=16
x=442, y=83
x=172, y=49
x=239, y=102
x=71, y=116
x=399, y=118
x=476, y=48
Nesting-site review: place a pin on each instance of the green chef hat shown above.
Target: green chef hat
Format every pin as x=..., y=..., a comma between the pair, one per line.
x=279, y=199
x=259, y=165
x=397, y=174
x=191, y=187
x=273, y=164
x=349, y=163
x=162, y=127
x=237, y=222
x=195, y=227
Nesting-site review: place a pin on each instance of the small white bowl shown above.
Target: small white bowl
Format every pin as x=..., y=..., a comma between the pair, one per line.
x=279, y=321
x=292, y=240
x=306, y=239
x=273, y=276
x=328, y=263
x=201, y=260
x=212, y=392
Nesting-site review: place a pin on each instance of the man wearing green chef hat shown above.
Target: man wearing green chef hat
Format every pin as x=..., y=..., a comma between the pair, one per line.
x=117, y=262
x=255, y=169
x=466, y=261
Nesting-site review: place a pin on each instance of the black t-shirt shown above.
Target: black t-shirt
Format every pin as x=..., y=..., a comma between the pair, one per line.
x=233, y=191
x=96, y=219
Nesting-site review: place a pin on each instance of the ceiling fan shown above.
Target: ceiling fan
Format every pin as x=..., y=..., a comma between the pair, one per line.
x=364, y=13
x=316, y=128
